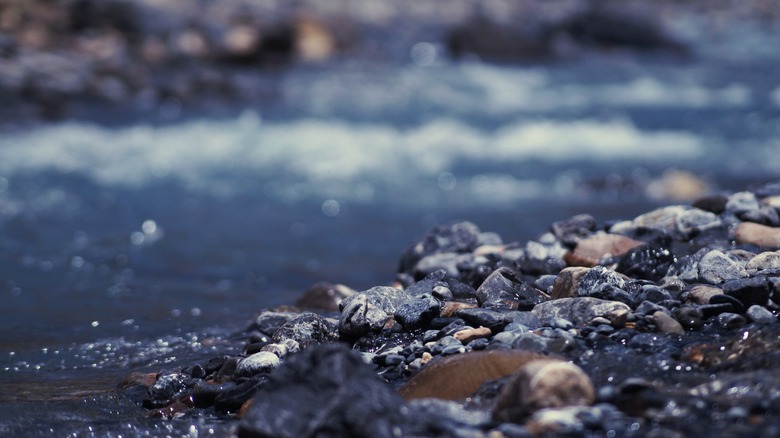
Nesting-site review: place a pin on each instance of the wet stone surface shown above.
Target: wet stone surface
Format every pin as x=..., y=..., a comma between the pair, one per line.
x=677, y=336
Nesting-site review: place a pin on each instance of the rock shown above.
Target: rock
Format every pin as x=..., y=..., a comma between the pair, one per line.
x=675, y=220
x=166, y=388
x=418, y=312
x=666, y=324
x=756, y=234
x=503, y=290
x=544, y=256
x=325, y=390
x=258, y=363
x=324, y=296
x=433, y=417
x=765, y=216
x=306, y=329
x=483, y=317
x=713, y=203
x=716, y=267
x=763, y=261
x=458, y=237
x=742, y=202
x=567, y=283
x=650, y=262
x=592, y=250
x=594, y=281
x=457, y=377
x=368, y=311
x=677, y=185
x=269, y=321
x=701, y=294
x=439, y=282
x=467, y=335
x=730, y=321
x=451, y=308
x=581, y=310
x=540, y=384
x=760, y=315
x=574, y=229
x=232, y=398
x=749, y=291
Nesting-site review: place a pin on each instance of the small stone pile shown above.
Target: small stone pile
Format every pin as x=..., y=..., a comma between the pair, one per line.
x=665, y=325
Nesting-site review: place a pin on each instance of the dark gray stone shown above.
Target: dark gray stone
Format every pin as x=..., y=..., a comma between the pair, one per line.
x=504, y=290
x=167, y=387
x=233, y=397
x=307, y=329
x=482, y=317
x=418, y=312
x=715, y=267
x=581, y=310
x=731, y=321
x=459, y=237
x=760, y=315
x=749, y=291
x=574, y=229
x=324, y=391
x=526, y=319
x=369, y=310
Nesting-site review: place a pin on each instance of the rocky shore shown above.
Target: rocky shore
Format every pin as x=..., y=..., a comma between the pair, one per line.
x=64, y=58
x=662, y=325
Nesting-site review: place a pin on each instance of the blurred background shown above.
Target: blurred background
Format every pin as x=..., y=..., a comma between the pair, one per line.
x=169, y=168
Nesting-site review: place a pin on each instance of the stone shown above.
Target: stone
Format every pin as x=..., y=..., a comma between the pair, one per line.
x=580, y=310
x=269, y=321
x=456, y=377
x=567, y=283
x=666, y=324
x=694, y=221
x=324, y=296
x=757, y=234
x=166, y=388
x=232, y=398
x=742, y=202
x=760, y=315
x=715, y=203
x=368, y=311
x=429, y=417
x=701, y=293
x=677, y=185
x=540, y=384
x=458, y=237
x=716, y=267
x=467, y=335
x=650, y=262
x=543, y=256
x=418, y=312
x=503, y=289
x=574, y=229
x=451, y=308
x=592, y=250
x=749, y=291
x=526, y=319
x=765, y=216
x=307, y=329
x=597, y=280
x=730, y=321
x=763, y=261
x=325, y=390
x=435, y=283
x=483, y=317
x=262, y=362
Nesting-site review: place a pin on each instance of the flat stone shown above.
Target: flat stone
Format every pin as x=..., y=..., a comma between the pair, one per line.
x=592, y=250
x=451, y=308
x=483, y=317
x=418, y=312
x=757, y=234
x=540, y=384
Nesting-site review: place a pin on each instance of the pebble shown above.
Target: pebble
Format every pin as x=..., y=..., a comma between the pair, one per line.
x=262, y=362
x=305, y=330
x=731, y=321
x=702, y=294
x=324, y=296
x=482, y=317
x=666, y=324
x=757, y=234
x=592, y=250
x=581, y=310
x=567, y=283
x=468, y=335
x=540, y=384
x=760, y=315
x=451, y=308
x=749, y=291
x=742, y=202
x=767, y=260
x=574, y=229
x=716, y=267
x=418, y=312
x=368, y=311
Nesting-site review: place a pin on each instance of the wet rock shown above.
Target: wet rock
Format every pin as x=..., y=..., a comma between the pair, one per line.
x=734, y=304
x=527, y=319
x=450, y=309
x=418, y=312
x=368, y=311
x=324, y=390
x=749, y=291
x=482, y=317
x=258, y=363
x=756, y=234
x=760, y=315
x=269, y=321
x=742, y=202
x=597, y=282
x=653, y=294
x=305, y=330
x=324, y=296
x=702, y=294
x=716, y=267
x=765, y=216
x=166, y=388
x=540, y=384
x=567, y=283
x=730, y=321
x=434, y=417
x=689, y=317
x=676, y=221
x=651, y=262
x=768, y=260
x=442, y=286
x=574, y=229
x=456, y=377
x=467, y=335
x=581, y=310
x=543, y=256
x=504, y=290
x=592, y=250
x=232, y=398
x=666, y=324
x=459, y=237
x=715, y=203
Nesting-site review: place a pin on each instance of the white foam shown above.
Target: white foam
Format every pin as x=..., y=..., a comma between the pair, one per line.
x=319, y=157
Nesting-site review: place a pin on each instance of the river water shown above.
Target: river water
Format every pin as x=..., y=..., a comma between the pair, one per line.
x=138, y=244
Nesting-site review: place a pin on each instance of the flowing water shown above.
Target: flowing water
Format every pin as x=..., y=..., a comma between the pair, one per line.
x=138, y=244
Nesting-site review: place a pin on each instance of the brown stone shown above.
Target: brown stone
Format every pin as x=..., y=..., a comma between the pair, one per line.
x=456, y=377
x=565, y=285
x=757, y=234
x=450, y=308
x=541, y=384
x=701, y=293
x=677, y=185
x=666, y=324
x=592, y=250
x=324, y=296
x=467, y=335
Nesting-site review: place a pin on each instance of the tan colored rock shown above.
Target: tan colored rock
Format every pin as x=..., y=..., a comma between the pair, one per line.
x=666, y=324
x=467, y=335
x=565, y=285
x=450, y=308
x=701, y=293
x=757, y=234
x=677, y=185
x=764, y=260
x=591, y=250
x=458, y=376
x=541, y=384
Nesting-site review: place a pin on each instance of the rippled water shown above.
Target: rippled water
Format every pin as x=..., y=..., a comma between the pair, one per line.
x=139, y=244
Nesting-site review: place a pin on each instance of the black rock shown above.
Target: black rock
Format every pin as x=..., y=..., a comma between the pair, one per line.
x=307, y=329
x=324, y=391
x=574, y=229
x=459, y=237
x=167, y=387
x=654, y=294
x=730, y=321
x=419, y=312
x=482, y=317
x=233, y=397
x=712, y=203
x=504, y=290
x=649, y=262
x=765, y=216
x=204, y=394
x=368, y=311
x=749, y=291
